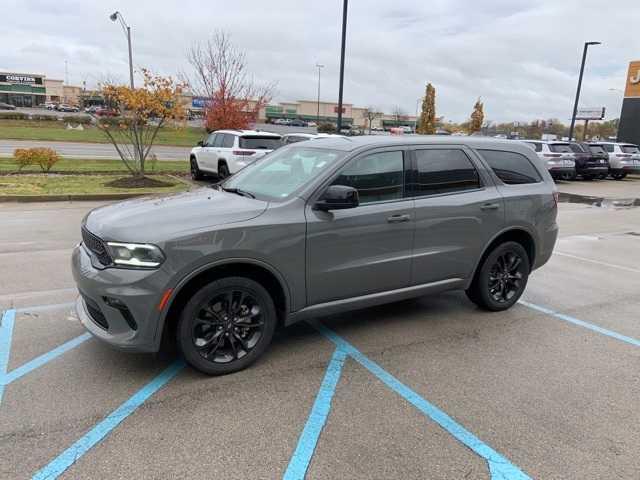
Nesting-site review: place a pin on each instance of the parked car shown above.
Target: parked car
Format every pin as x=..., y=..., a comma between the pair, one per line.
x=624, y=158
x=297, y=123
x=106, y=112
x=50, y=105
x=288, y=138
x=591, y=161
x=92, y=109
x=310, y=231
x=281, y=121
x=312, y=124
x=63, y=107
x=225, y=152
x=557, y=156
x=7, y=106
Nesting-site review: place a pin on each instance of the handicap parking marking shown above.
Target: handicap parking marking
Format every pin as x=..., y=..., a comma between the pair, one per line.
x=500, y=468
x=6, y=332
x=581, y=323
x=303, y=453
x=62, y=462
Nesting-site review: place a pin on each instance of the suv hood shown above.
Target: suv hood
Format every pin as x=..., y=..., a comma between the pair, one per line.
x=157, y=219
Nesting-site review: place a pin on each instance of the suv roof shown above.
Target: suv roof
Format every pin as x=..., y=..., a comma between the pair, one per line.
x=249, y=132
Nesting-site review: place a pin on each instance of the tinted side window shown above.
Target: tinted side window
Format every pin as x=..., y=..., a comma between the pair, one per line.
x=608, y=147
x=219, y=140
x=210, y=140
x=510, y=167
x=228, y=140
x=444, y=171
x=377, y=177
x=596, y=149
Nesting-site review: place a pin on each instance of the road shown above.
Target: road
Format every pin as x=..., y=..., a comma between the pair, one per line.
x=554, y=395
x=89, y=150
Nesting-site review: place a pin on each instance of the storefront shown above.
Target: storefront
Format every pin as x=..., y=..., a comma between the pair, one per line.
x=22, y=90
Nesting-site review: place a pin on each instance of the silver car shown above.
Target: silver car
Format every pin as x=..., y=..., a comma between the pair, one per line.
x=313, y=229
x=624, y=158
x=558, y=157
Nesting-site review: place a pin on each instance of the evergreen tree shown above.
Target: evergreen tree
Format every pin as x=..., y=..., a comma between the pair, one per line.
x=477, y=117
x=427, y=121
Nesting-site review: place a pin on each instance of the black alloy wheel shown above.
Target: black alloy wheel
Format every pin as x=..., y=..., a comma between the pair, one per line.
x=226, y=325
x=501, y=278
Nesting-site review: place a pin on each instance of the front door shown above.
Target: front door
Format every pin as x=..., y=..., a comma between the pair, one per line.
x=457, y=212
x=207, y=156
x=366, y=249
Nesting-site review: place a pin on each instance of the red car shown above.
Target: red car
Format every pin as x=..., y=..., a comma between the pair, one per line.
x=106, y=112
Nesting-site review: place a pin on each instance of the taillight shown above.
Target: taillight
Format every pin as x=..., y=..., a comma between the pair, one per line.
x=552, y=155
x=242, y=152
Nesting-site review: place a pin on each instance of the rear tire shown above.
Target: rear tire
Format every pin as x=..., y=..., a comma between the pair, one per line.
x=619, y=176
x=226, y=326
x=501, y=278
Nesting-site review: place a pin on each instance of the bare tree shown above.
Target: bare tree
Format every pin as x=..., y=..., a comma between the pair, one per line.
x=233, y=99
x=371, y=113
x=398, y=114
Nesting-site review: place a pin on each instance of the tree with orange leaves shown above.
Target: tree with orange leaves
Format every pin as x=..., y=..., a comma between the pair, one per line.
x=233, y=100
x=141, y=113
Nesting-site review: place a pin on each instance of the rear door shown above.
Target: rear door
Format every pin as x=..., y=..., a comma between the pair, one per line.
x=458, y=209
x=366, y=249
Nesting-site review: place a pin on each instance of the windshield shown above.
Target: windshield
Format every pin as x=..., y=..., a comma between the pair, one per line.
x=576, y=148
x=630, y=149
x=283, y=172
x=260, y=143
x=560, y=148
x=596, y=149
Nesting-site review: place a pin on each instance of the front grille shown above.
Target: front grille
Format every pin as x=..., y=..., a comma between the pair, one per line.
x=96, y=246
x=95, y=313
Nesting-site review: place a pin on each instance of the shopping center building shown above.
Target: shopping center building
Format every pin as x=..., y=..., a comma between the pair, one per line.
x=32, y=90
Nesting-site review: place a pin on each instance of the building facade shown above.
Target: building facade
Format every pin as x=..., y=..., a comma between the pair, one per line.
x=32, y=90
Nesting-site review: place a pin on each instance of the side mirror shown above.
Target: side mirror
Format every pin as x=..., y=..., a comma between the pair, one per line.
x=201, y=143
x=338, y=197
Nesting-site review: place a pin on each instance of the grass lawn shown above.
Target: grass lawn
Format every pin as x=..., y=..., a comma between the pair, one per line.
x=55, y=131
x=75, y=184
x=7, y=165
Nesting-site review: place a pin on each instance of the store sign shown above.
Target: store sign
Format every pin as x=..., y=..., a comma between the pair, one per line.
x=20, y=79
x=633, y=80
x=590, y=114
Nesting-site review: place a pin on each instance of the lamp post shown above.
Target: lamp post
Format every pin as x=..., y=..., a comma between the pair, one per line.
x=127, y=31
x=319, y=66
x=344, y=40
x=575, y=105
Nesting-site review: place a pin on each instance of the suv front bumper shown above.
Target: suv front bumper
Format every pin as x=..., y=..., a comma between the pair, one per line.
x=118, y=306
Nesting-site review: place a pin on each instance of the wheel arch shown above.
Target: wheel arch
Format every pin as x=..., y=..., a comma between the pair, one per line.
x=272, y=280
x=513, y=234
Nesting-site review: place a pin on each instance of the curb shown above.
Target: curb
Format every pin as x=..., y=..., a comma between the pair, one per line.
x=77, y=197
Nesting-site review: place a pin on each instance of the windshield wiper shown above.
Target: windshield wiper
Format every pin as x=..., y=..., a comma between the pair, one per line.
x=237, y=191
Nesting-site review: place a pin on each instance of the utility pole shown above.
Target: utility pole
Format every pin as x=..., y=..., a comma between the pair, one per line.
x=318, y=113
x=575, y=105
x=344, y=40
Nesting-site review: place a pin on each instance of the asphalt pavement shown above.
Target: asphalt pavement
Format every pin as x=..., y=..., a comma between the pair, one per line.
x=429, y=388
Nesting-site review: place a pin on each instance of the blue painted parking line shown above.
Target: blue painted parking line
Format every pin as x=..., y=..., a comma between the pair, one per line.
x=582, y=323
x=67, y=458
x=499, y=467
x=308, y=440
x=42, y=359
x=6, y=332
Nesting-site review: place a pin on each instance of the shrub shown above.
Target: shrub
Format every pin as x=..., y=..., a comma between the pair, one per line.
x=13, y=116
x=82, y=119
x=44, y=157
x=326, y=128
x=38, y=117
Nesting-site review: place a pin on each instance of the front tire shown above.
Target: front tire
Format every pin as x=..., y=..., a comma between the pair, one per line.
x=226, y=326
x=196, y=173
x=501, y=279
x=223, y=171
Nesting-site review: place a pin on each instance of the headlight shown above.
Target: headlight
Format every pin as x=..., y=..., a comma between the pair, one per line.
x=136, y=255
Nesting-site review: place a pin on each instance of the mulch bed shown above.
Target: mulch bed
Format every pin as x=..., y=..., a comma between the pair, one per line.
x=137, y=182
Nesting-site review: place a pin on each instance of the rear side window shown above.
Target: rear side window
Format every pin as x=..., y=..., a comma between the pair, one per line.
x=536, y=146
x=608, y=147
x=630, y=149
x=377, y=177
x=444, y=171
x=228, y=140
x=560, y=148
x=260, y=143
x=596, y=149
x=510, y=167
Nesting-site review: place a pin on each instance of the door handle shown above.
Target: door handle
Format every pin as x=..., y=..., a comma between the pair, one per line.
x=490, y=206
x=399, y=218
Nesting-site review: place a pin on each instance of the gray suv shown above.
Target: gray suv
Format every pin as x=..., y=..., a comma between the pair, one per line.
x=311, y=229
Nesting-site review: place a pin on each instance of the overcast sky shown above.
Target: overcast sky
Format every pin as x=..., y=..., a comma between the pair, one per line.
x=521, y=56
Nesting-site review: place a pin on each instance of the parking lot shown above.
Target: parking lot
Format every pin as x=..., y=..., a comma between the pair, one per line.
x=428, y=388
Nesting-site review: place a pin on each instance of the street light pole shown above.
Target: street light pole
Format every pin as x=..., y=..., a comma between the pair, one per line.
x=575, y=105
x=344, y=40
x=318, y=113
x=127, y=31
